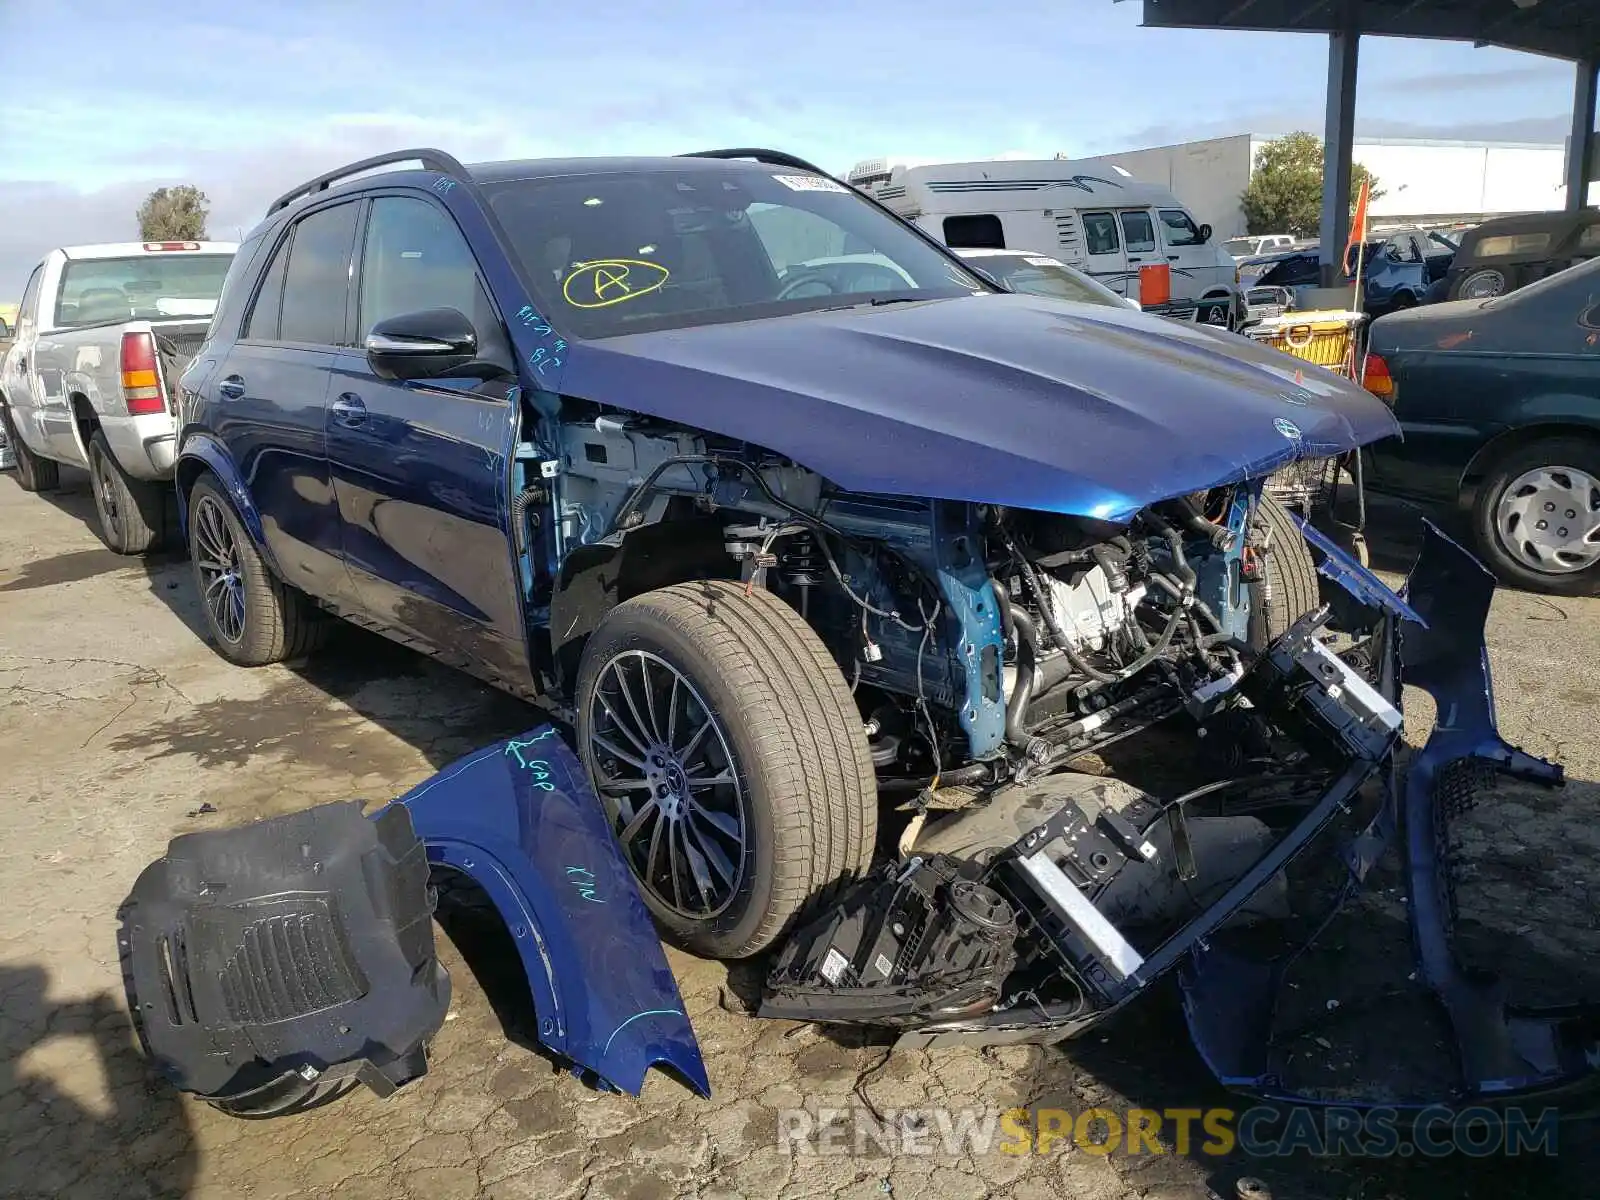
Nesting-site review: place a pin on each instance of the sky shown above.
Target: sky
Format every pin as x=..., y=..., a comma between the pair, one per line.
x=105, y=101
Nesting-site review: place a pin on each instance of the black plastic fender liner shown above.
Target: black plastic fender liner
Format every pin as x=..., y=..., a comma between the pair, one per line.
x=270, y=967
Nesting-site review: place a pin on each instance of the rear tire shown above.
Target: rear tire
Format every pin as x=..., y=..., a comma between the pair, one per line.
x=132, y=512
x=254, y=618
x=1288, y=588
x=1572, y=455
x=34, y=474
x=781, y=725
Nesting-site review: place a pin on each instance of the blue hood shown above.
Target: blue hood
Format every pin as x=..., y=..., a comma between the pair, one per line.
x=1004, y=399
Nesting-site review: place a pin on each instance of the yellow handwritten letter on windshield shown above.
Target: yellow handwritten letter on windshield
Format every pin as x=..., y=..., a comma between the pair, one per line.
x=609, y=281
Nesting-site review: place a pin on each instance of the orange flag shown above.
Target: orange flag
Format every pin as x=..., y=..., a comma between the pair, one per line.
x=1358, y=223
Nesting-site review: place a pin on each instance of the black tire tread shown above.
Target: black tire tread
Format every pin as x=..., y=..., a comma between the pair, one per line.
x=140, y=503
x=816, y=768
x=1293, y=575
x=34, y=474
x=280, y=622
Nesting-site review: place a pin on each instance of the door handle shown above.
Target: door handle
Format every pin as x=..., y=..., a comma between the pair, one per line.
x=348, y=409
x=232, y=387
x=1172, y=258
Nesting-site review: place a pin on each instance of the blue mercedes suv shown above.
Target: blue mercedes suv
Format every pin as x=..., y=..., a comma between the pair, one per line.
x=777, y=500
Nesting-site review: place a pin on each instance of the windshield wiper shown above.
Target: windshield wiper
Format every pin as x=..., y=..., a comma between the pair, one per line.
x=881, y=300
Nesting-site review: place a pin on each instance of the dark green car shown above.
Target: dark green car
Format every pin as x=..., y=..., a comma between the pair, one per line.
x=1499, y=404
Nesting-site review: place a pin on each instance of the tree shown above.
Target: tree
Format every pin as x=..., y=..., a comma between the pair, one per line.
x=1285, y=192
x=175, y=214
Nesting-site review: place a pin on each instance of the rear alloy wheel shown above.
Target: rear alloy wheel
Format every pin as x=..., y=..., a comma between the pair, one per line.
x=730, y=756
x=131, y=511
x=1537, y=517
x=254, y=619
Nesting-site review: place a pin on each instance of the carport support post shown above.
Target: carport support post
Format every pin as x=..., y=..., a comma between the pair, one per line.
x=1581, y=157
x=1338, y=139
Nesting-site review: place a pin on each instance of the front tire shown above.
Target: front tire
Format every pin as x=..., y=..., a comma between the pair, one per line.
x=1537, y=516
x=254, y=619
x=131, y=511
x=731, y=758
x=34, y=474
x=1287, y=588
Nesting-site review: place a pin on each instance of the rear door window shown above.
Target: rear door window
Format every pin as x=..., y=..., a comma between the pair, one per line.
x=1140, y=232
x=1100, y=233
x=316, y=284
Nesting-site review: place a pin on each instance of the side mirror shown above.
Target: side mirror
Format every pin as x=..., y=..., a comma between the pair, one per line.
x=431, y=344
x=1205, y=234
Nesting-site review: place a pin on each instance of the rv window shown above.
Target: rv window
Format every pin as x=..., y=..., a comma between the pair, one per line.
x=1139, y=231
x=976, y=232
x=1100, y=233
x=1180, y=230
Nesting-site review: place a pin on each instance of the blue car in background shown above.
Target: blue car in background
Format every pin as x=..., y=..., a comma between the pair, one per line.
x=592, y=431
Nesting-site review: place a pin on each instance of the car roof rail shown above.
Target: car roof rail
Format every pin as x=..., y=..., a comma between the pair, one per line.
x=776, y=158
x=431, y=160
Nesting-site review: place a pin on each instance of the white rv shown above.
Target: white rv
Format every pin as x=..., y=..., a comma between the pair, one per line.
x=1098, y=219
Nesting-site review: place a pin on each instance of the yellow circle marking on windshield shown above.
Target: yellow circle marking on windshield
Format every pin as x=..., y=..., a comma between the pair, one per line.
x=609, y=281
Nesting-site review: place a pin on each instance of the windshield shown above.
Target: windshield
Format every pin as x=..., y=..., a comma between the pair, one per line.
x=619, y=252
x=143, y=287
x=1040, y=276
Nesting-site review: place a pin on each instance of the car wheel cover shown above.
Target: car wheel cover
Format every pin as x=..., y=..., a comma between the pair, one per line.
x=1548, y=520
x=1493, y=284
x=105, y=498
x=216, y=558
x=665, y=772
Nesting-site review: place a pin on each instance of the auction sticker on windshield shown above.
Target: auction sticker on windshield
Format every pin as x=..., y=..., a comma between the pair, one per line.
x=810, y=183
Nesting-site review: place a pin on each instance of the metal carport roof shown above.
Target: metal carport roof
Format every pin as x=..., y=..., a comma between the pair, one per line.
x=1561, y=28
x=1568, y=29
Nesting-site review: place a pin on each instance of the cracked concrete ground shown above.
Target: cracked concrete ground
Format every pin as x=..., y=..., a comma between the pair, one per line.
x=117, y=723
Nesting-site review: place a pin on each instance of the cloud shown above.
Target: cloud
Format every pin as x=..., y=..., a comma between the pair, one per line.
x=1451, y=82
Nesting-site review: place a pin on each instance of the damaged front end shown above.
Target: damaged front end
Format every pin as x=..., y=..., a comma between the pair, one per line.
x=1035, y=916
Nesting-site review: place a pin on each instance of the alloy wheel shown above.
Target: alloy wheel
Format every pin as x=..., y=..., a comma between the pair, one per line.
x=667, y=777
x=216, y=557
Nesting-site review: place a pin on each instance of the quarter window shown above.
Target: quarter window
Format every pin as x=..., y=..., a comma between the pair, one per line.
x=979, y=231
x=1100, y=233
x=262, y=325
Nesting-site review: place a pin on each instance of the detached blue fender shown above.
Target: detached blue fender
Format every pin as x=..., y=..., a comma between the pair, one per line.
x=520, y=819
x=203, y=450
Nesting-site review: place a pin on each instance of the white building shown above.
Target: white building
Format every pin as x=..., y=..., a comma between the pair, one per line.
x=1422, y=181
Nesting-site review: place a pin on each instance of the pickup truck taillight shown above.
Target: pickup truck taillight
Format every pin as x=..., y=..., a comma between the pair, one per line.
x=1376, y=379
x=141, y=381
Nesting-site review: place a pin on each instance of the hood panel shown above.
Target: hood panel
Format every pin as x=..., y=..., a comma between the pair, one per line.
x=1007, y=399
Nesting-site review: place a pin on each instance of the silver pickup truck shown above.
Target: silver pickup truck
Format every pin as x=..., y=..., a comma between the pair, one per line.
x=102, y=334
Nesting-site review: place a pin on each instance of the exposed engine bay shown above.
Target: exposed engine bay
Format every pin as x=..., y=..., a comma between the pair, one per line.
x=982, y=643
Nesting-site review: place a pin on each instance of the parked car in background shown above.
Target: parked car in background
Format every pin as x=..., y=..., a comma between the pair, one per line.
x=1041, y=275
x=1397, y=269
x=103, y=333
x=1255, y=245
x=781, y=534
x=1507, y=253
x=1499, y=402
x=1101, y=221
